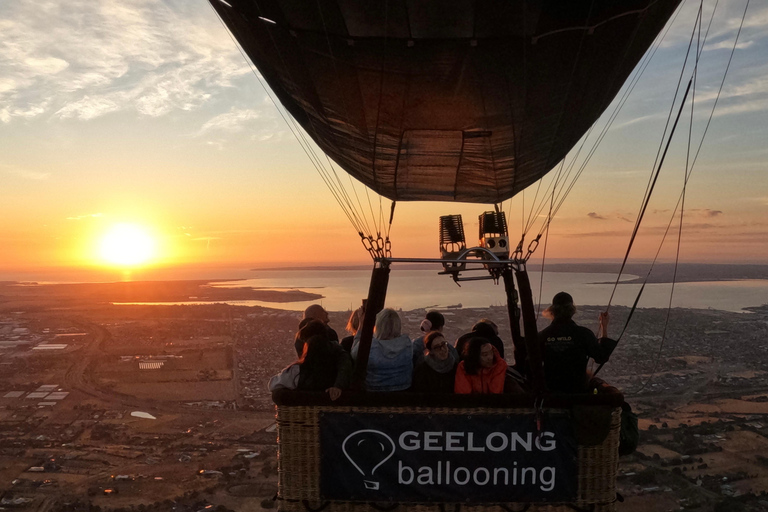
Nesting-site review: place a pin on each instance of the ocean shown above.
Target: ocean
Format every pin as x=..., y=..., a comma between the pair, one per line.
x=414, y=289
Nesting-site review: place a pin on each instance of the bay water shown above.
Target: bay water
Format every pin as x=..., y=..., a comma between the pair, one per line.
x=413, y=289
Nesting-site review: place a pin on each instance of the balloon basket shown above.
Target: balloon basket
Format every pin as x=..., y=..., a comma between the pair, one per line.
x=594, y=421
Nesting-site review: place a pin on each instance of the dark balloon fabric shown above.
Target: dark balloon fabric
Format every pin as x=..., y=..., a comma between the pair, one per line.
x=445, y=100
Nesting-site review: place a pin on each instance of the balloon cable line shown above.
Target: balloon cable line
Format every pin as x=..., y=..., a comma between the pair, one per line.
x=559, y=121
x=544, y=255
x=689, y=171
x=347, y=110
x=635, y=73
x=381, y=92
x=633, y=81
x=337, y=192
x=658, y=163
x=681, y=204
x=337, y=189
x=568, y=91
x=331, y=178
x=705, y=130
x=296, y=131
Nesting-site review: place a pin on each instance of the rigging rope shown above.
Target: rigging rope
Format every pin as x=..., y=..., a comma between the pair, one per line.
x=658, y=163
x=688, y=172
x=329, y=175
x=635, y=76
x=295, y=130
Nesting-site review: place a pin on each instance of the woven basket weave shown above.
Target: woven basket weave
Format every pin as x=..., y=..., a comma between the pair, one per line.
x=299, y=463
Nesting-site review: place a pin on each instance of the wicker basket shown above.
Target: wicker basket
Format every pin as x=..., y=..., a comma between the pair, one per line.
x=299, y=460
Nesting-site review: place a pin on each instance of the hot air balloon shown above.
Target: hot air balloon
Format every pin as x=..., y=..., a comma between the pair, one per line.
x=453, y=100
x=445, y=101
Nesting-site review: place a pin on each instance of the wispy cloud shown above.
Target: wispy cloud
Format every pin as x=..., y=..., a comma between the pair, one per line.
x=86, y=216
x=25, y=173
x=705, y=212
x=594, y=215
x=233, y=121
x=728, y=45
x=82, y=59
x=261, y=125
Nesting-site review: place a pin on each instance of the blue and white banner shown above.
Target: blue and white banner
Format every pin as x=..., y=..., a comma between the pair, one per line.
x=488, y=458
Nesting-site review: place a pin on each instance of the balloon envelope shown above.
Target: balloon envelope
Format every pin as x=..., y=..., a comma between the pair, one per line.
x=449, y=100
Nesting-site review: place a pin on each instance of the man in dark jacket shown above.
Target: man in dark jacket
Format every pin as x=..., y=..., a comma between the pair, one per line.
x=567, y=347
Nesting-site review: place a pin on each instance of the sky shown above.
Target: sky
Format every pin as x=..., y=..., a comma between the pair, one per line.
x=145, y=112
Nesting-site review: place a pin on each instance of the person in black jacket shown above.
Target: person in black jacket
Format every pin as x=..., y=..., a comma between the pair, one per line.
x=567, y=347
x=437, y=370
x=323, y=366
x=312, y=313
x=308, y=329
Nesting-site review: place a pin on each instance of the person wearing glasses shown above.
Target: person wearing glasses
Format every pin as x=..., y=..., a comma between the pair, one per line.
x=437, y=370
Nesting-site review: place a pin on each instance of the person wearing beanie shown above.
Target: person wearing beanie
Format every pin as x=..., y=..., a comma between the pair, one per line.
x=433, y=321
x=567, y=347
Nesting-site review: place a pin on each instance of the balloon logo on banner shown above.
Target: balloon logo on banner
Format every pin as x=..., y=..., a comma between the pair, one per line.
x=367, y=450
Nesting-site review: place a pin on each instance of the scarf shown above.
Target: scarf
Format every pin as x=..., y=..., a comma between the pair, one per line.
x=443, y=366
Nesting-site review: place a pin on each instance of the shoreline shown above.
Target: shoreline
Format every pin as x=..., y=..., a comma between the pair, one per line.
x=19, y=295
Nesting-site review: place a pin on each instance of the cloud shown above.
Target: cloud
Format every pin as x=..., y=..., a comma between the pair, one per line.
x=728, y=45
x=25, y=173
x=233, y=121
x=87, y=216
x=615, y=233
x=705, y=212
x=219, y=128
x=593, y=215
x=83, y=59
x=88, y=108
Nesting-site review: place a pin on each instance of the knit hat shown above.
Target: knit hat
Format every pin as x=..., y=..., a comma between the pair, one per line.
x=562, y=299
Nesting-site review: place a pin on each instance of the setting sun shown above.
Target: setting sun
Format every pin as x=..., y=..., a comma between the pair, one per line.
x=127, y=245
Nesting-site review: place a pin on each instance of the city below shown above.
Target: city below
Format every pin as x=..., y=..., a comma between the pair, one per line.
x=150, y=407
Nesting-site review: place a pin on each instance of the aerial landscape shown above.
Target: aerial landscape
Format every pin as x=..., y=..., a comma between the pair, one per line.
x=165, y=407
x=178, y=183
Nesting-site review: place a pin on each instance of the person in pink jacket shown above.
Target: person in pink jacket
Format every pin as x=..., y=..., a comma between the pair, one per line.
x=482, y=371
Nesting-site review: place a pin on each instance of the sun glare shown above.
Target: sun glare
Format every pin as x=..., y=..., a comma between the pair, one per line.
x=127, y=245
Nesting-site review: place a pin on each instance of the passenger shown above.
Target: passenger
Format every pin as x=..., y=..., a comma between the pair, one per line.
x=567, y=347
x=482, y=371
x=308, y=329
x=323, y=366
x=314, y=312
x=486, y=329
x=433, y=321
x=436, y=373
x=390, y=361
x=353, y=324
x=317, y=312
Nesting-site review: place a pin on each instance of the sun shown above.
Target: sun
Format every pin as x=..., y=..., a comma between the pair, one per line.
x=127, y=245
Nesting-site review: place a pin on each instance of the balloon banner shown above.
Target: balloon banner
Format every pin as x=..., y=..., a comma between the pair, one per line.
x=488, y=458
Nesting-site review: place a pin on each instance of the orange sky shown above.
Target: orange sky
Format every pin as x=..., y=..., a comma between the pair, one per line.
x=134, y=112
